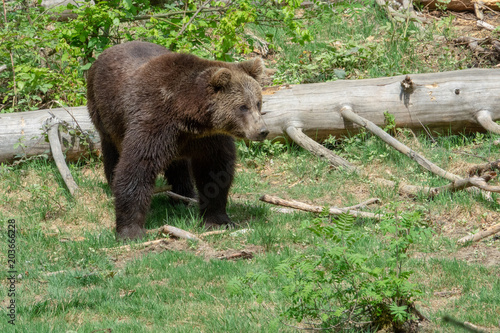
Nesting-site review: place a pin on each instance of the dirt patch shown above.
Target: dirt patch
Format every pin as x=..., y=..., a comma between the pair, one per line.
x=204, y=250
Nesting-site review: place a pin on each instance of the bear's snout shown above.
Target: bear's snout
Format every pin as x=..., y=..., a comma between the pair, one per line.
x=263, y=134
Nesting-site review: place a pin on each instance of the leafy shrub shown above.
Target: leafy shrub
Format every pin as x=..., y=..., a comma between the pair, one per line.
x=50, y=58
x=339, y=286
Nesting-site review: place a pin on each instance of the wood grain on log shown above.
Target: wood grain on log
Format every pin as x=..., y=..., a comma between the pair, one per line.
x=445, y=102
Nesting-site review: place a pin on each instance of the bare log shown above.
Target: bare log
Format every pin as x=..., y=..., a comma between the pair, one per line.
x=312, y=208
x=314, y=108
x=480, y=235
x=22, y=134
x=55, y=147
x=459, y=5
x=166, y=190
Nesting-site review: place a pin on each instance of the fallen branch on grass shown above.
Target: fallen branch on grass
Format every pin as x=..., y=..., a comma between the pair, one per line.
x=480, y=169
x=349, y=115
x=363, y=204
x=57, y=154
x=480, y=235
x=237, y=255
x=175, y=232
x=457, y=183
x=317, y=149
x=166, y=190
x=312, y=208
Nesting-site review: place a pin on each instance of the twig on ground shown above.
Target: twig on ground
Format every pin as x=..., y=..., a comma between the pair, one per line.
x=128, y=247
x=472, y=42
x=348, y=114
x=478, y=170
x=480, y=235
x=213, y=232
x=485, y=25
x=166, y=190
x=312, y=208
x=175, y=232
x=457, y=182
x=464, y=325
x=363, y=204
x=317, y=149
x=238, y=255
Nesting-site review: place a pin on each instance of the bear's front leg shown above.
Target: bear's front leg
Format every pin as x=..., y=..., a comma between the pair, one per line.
x=213, y=170
x=133, y=184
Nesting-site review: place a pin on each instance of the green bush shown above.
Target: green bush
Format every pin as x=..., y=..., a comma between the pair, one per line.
x=50, y=58
x=342, y=284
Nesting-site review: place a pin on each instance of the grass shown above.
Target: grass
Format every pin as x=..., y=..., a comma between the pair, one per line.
x=179, y=291
x=69, y=280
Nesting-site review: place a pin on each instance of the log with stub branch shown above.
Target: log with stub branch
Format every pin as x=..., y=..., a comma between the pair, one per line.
x=459, y=5
x=457, y=101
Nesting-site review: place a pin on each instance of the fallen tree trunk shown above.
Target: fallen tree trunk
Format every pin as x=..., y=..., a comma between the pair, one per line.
x=459, y=5
x=447, y=102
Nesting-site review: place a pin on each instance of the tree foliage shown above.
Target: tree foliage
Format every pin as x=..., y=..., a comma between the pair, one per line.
x=50, y=57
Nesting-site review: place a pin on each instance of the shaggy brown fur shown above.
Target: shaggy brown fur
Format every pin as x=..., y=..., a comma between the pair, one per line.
x=158, y=111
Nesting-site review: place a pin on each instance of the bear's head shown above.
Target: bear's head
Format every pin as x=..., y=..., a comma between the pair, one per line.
x=236, y=100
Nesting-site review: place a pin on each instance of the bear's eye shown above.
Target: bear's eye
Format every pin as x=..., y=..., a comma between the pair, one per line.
x=243, y=108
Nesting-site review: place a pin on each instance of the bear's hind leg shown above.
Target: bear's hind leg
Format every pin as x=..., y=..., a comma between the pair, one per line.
x=178, y=176
x=213, y=170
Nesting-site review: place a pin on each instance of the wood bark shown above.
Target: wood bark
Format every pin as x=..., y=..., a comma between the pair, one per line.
x=480, y=235
x=55, y=148
x=446, y=102
x=459, y=5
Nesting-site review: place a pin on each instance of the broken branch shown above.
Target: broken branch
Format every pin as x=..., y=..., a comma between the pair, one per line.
x=317, y=149
x=175, y=232
x=55, y=147
x=483, y=117
x=364, y=203
x=478, y=170
x=312, y=208
x=480, y=235
x=348, y=114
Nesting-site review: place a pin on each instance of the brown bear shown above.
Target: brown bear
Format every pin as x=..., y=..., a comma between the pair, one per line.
x=159, y=111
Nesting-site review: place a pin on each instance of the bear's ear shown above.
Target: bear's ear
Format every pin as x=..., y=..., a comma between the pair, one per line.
x=220, y=78
x=255, y=68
